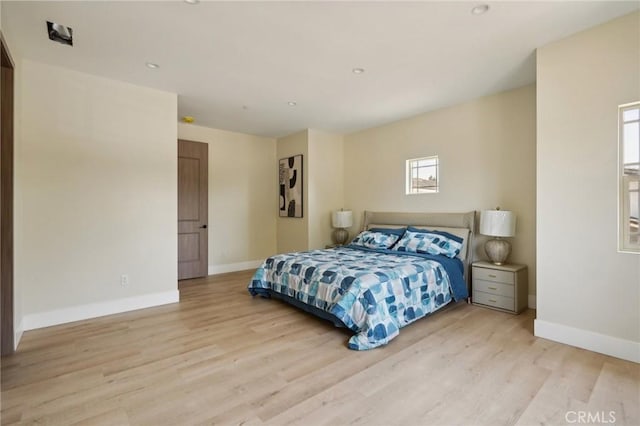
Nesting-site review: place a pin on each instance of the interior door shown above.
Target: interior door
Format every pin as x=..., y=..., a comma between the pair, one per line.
x=192, y=209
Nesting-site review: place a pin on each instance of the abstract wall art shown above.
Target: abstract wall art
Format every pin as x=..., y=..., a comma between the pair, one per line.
x=290, y=186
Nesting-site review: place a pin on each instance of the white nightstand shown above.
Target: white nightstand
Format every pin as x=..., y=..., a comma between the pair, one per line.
x=501, y=287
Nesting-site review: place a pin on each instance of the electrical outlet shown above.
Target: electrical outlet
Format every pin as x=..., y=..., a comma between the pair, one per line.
x=124, y=279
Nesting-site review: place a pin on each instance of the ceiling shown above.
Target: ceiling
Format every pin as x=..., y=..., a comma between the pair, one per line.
x=237, y=65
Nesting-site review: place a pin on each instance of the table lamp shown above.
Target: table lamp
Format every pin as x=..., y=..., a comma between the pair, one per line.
x=498, y=223
x=340, y=220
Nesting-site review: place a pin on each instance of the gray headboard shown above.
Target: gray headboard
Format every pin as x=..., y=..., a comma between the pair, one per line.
x=436, y=220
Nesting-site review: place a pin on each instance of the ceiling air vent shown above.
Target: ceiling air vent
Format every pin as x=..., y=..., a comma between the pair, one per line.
x=60, y=33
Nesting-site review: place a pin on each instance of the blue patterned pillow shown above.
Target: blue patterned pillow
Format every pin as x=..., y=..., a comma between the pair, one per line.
x=429, y=242
x=375, y=240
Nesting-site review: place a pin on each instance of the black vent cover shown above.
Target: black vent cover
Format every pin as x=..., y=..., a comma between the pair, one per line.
x=60, y=33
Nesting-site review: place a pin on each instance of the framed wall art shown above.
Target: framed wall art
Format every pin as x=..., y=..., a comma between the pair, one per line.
x=290, y=186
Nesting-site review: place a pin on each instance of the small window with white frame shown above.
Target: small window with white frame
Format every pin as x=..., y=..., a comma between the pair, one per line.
x=423, y=175
x=629, y=148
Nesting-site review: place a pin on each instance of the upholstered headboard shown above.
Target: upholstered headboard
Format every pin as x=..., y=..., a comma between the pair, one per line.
x=464, y=222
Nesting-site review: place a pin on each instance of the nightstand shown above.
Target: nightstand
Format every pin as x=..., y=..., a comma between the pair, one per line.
x=501, y=287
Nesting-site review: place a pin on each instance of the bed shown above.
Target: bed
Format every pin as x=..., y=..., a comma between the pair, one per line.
x=400, y=268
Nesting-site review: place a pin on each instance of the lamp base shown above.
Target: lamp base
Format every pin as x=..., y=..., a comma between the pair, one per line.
x=498, y=250
x=340, y=236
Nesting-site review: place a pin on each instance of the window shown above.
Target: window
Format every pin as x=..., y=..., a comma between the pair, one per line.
x=422, y=175
x=629, y=135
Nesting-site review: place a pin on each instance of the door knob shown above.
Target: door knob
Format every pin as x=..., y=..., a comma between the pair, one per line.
x=203, y=226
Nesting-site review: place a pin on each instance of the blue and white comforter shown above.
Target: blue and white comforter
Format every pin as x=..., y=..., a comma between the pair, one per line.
x=373, y=292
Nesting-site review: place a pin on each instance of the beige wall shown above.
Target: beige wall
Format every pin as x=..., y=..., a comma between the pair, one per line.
x=243, y=190
x=486, y=149
x=95, y=182
x=293, y=233
x=326, y=183
x=583, y=282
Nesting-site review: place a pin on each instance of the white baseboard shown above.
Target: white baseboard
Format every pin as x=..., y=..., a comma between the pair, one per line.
x=233, y=267
x=608, y=345
x=532, y=302
x=99, y=309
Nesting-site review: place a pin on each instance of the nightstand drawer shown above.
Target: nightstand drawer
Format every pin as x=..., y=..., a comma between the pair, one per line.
x=493, y=275
x=493, y=300
x=492, y=287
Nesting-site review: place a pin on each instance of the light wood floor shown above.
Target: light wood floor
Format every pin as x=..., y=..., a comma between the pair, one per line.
x=222, y=357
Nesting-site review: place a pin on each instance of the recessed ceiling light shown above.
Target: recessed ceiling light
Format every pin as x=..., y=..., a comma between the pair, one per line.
x=192, y=1
x=152, y=65
x=357, y=70
x=480, y=9
x=291, y=103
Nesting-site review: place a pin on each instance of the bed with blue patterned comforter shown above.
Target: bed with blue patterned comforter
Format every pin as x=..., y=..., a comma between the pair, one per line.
x=372, y=292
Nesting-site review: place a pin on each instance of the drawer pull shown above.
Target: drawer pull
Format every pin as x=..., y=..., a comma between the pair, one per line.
x=493, y=276
x=493, y=288
x=493, y=301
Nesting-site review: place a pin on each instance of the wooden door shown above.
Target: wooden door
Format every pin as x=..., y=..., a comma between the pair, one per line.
x=6, y=202
x=192, y=209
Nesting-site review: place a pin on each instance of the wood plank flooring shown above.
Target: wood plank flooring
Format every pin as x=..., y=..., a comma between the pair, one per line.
x=223, y=357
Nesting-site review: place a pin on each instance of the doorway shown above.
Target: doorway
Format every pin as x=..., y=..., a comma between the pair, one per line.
x=6, y=201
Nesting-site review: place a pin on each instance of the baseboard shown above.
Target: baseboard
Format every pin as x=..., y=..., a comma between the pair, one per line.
x=233, y=267
x=596, y=342
x=17, y=335
x=99, y=309
x=532, y=301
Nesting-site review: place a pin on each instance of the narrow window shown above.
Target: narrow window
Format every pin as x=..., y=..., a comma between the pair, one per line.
x=629, y=135
x=422, y=175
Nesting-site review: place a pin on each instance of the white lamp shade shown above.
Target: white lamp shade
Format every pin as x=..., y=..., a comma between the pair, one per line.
x=342, y=219
x=498, y=223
